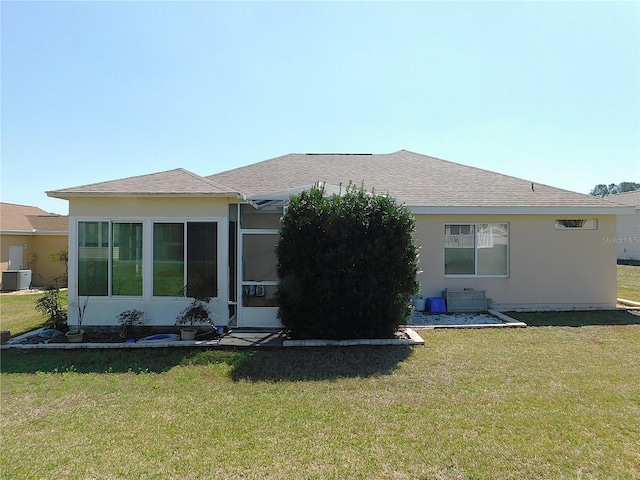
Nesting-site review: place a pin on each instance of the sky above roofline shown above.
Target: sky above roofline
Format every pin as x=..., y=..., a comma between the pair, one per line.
x=93, y=91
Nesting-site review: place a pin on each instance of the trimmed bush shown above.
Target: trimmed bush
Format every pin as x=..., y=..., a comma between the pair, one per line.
x=347, y=265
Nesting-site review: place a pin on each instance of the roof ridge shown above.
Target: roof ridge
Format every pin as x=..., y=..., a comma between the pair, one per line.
x=131, y=177
x=204, y=179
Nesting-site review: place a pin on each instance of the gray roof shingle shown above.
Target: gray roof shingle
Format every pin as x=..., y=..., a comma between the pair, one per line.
x=172, y=182
x=626, y=198
x=425, y=184
x=413, y=179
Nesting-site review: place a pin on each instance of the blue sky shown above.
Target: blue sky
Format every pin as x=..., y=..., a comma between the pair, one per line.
x=94, y=91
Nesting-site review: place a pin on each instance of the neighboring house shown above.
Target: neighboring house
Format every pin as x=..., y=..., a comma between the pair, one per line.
x=135, y=242
x=627, y=237
x=28, y=238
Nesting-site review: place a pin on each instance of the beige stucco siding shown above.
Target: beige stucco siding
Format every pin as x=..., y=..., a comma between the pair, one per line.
x=148, y=207
x=36, y=256
x=548, y=268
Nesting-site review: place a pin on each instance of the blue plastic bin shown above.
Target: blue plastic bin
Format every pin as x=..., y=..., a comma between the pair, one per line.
x=436, y=305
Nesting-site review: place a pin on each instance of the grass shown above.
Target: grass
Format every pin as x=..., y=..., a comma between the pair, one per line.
x=577, y=318
x=18, y=314
x=545, y=402
x=629, y=282
x=554, y=401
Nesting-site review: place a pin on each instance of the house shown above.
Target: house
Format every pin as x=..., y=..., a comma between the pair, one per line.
x=28, y=238
x=627, y=237
x=136, y=242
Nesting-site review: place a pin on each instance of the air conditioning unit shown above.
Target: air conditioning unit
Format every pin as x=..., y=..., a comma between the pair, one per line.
x=13, y=280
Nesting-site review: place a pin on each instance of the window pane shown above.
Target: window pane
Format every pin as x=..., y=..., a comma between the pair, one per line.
x=459, y=250
x=202, y=259
x=168, y=259
x=260, y=262
x=93, y=258
x=493, y=243
x=252, y=218
x=126, y=256
x=259, y=296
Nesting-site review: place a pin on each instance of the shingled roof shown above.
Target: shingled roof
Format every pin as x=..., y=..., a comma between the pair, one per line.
x=425, y=184
x=177, y=182
x=627, y=198
x=25, y=219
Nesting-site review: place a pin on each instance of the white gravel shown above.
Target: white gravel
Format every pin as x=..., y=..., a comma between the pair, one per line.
x=430, y=319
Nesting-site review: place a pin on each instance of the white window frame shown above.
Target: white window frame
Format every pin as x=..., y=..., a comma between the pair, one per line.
x=222, y=223
x=147, y=253
x=475, y=251
x=73, y=255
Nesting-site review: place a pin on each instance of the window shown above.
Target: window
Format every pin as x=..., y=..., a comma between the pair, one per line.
x=93, y=258
x=577, y=224
x=476, y=249
x=195, y=266
x=126, y=259
x=97, y=257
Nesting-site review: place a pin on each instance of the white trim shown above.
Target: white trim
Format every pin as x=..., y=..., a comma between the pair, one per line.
x=475, y=251
x=147, y=257
x=471, y=210
x=33, y=232
x=67, y=196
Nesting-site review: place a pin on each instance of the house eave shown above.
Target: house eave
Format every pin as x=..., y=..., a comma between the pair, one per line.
x=33, y=232
x=481, y=210
x=69, y=196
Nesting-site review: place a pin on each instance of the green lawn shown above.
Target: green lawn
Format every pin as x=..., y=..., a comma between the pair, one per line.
x=559, y=401
x=629, y=282
x=17, y=313
x=536, y=403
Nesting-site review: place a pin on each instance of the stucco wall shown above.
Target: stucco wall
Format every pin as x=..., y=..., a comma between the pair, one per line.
x=548, y=268
x=36, y=256
x=627, y=237
x=149, y=207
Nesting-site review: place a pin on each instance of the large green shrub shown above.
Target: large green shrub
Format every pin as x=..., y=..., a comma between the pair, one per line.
x=347, y=265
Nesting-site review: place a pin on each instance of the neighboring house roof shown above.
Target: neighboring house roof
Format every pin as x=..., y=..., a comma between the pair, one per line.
x=177, y=182
x=25, y=219
x=627, y=198
x=425, y=184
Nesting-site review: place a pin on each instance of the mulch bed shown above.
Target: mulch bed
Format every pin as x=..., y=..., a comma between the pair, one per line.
x=112, y=335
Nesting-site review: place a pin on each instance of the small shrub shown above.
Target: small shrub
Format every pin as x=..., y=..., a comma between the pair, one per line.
x=196, y=312
x=129, y=319
x=51, y=306
x=62, y=257
x=347, y=265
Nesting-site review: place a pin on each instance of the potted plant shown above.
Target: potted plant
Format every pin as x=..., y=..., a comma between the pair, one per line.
x=51, y=306
x=197, y=312
x=76, y=335
x=129, y=319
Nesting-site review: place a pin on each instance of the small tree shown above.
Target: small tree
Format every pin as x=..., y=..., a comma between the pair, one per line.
x=51, y=306
x=62, y=257
x=347, y=265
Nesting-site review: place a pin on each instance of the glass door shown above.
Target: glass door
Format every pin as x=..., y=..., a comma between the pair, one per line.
x=258, y=268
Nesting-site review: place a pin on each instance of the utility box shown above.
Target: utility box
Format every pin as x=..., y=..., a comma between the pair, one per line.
x=13, y=280
x=465, y=300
